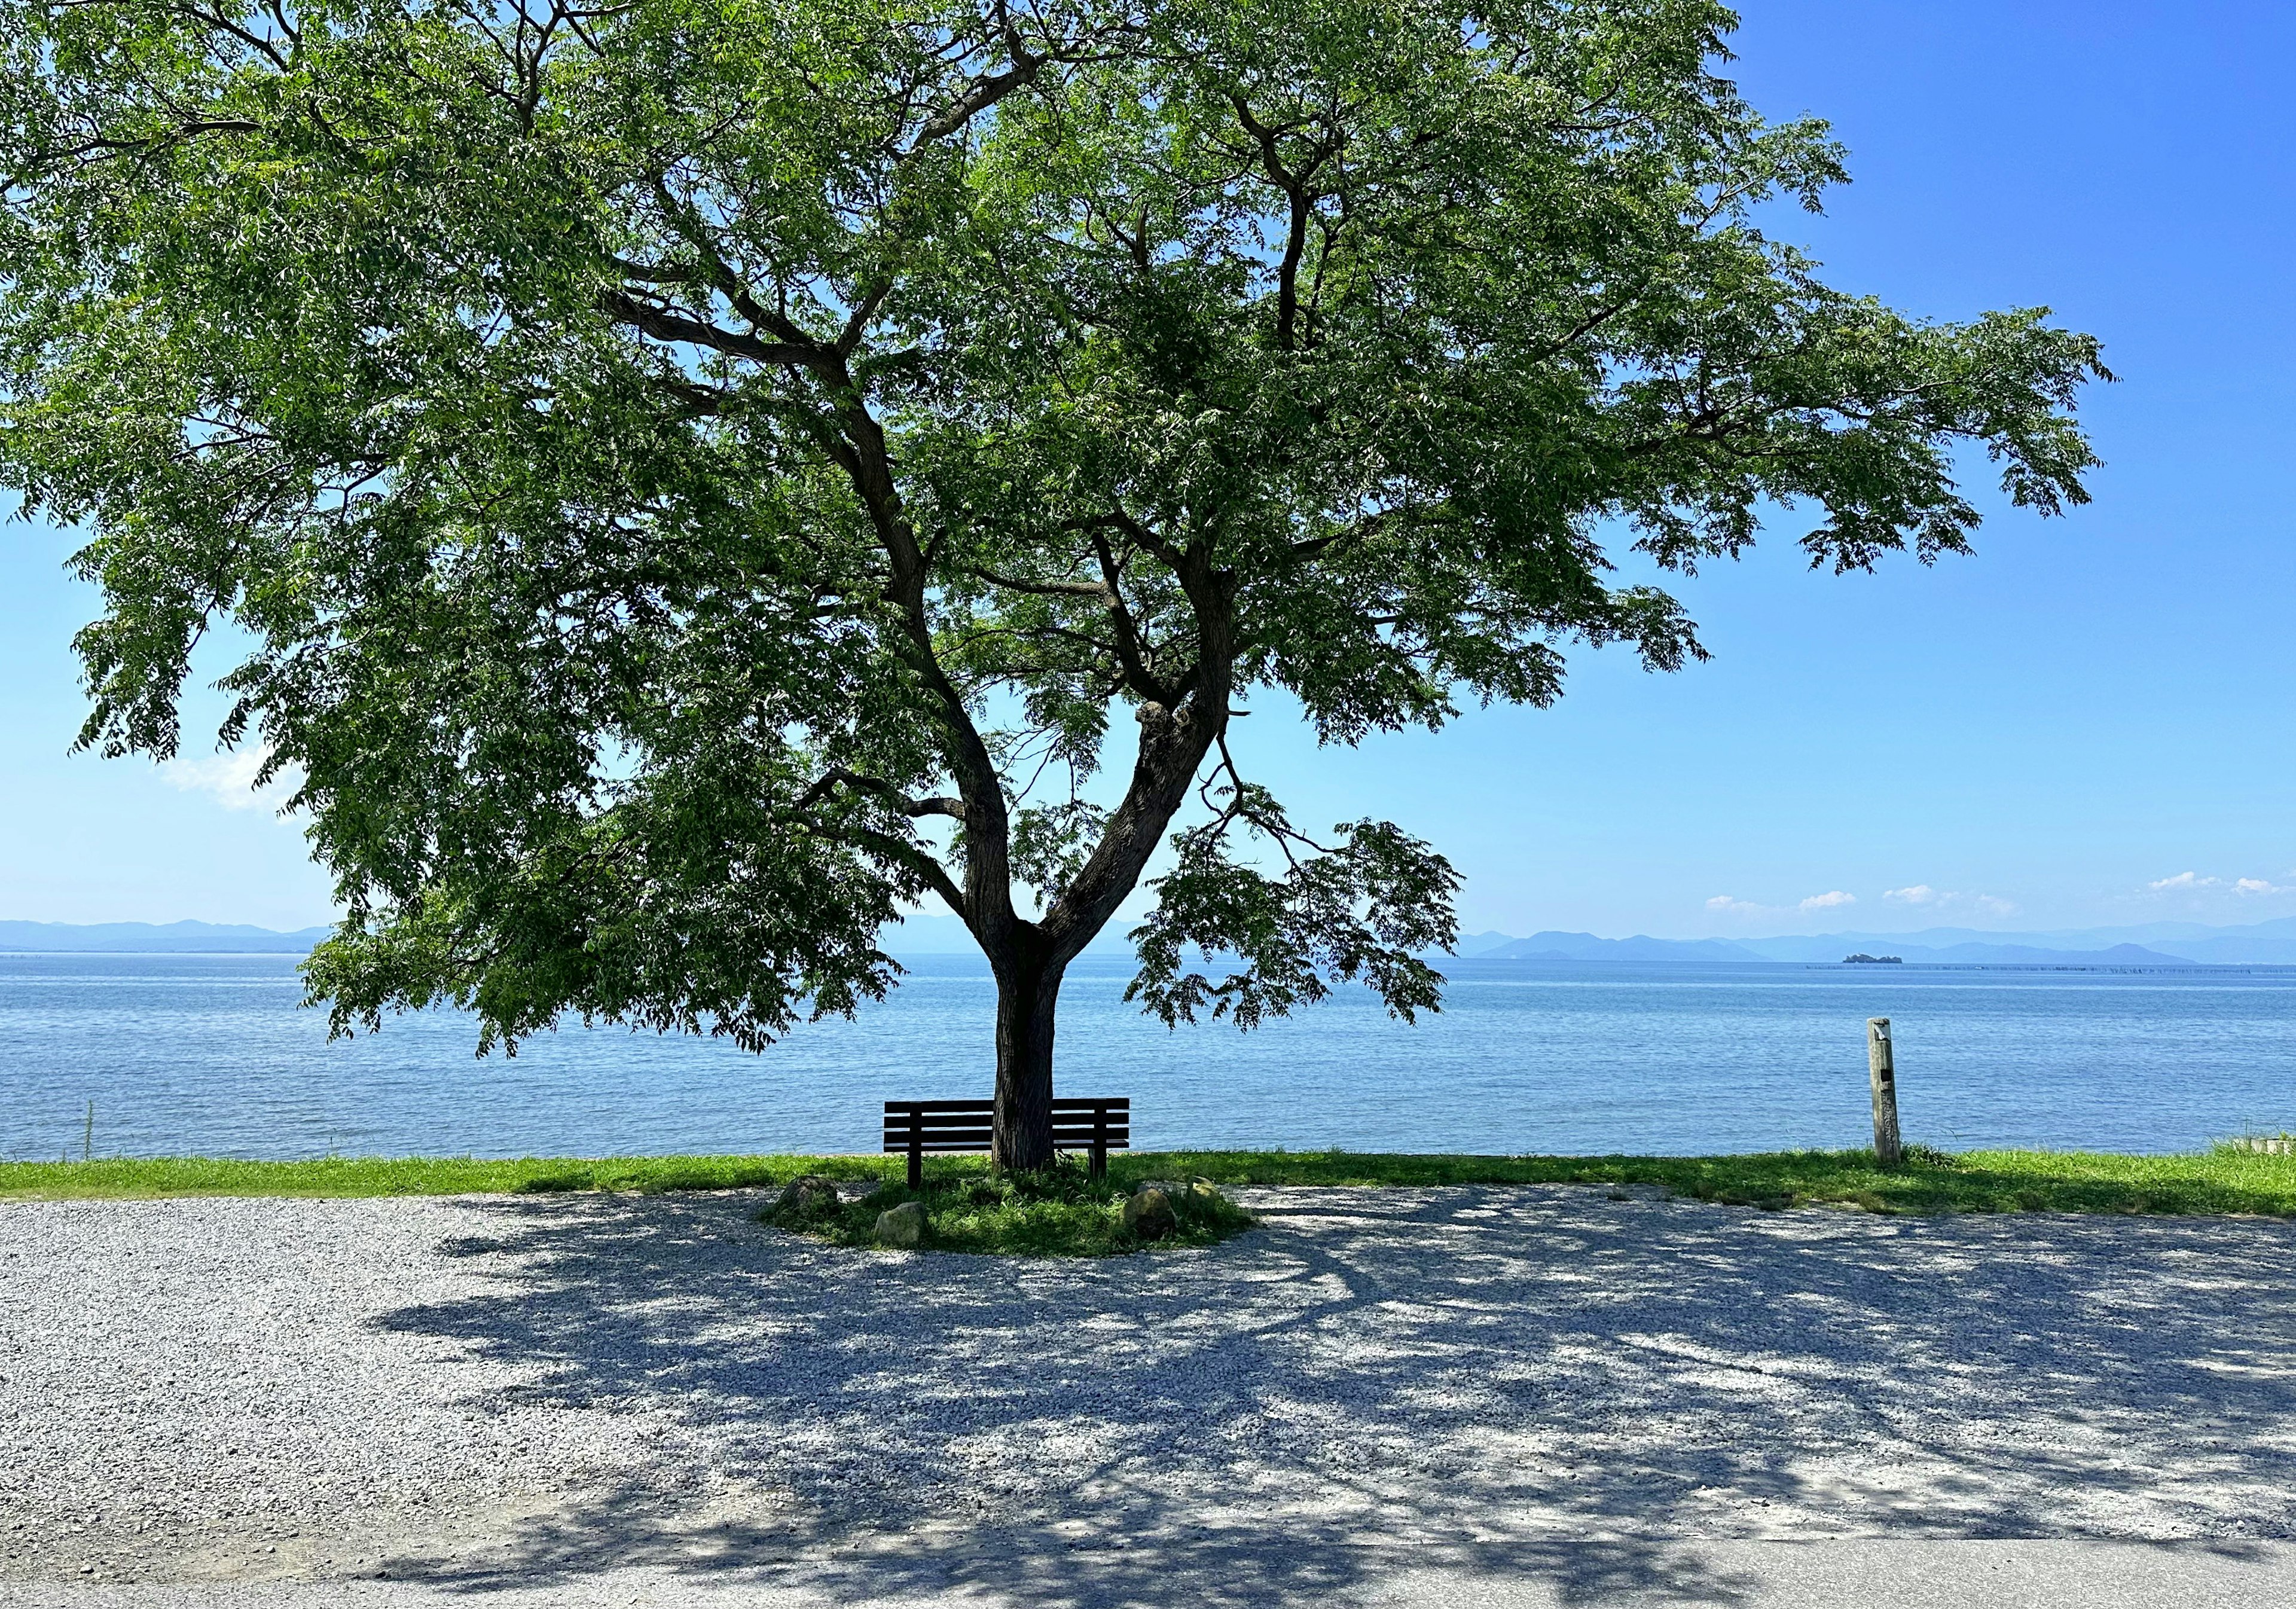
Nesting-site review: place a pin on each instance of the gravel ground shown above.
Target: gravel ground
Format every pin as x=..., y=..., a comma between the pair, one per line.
x=499, y=1391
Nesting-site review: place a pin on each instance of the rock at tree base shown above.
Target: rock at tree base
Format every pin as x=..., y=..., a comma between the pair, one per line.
x=902, y=1226
x=811, y=1197
x=1148, y=1213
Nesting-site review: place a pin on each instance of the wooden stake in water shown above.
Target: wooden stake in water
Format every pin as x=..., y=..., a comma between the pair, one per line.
x=1881, y=1064
x=87, y=1136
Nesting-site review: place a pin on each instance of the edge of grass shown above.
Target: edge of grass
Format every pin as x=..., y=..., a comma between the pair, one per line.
x=349, y=1177
x=2221, y=1182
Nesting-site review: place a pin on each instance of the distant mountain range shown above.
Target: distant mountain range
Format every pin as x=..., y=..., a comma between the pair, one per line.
x=2157, y=944
x=143, y=938
x=2162, y=943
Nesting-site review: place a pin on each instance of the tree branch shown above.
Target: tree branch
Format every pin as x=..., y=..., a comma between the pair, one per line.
x=929, y=871
x=866, y=459
x=663, y=324
x=1294, y=187
x=1049, y=590
x=729, y=284
x=1129, y=651
x=850, y=338
x=1316, y=546
x=839, y=777
x=984, y=94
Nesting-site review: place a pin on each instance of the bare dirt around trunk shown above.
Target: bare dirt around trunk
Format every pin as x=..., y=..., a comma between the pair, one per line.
x=524, y=1393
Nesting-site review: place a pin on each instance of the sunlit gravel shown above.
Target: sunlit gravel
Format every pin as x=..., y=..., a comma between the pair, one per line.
x=514, y=1387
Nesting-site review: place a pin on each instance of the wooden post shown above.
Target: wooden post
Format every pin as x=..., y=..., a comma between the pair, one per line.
x=916, y=1147
x=1881, y=1064
x=1100, y=1140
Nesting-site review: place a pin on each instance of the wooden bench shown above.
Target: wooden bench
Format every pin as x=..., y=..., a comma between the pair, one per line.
x=1094, y=1125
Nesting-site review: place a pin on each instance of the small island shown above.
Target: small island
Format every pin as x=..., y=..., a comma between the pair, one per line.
x=1863, y=959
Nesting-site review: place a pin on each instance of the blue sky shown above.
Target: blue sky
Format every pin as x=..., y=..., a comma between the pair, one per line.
x=2034, y=737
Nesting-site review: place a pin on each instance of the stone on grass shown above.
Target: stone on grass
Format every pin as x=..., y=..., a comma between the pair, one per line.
x=902, y=1226
x=809, y=1196
x=1203, y=1193
x=1148, y=1213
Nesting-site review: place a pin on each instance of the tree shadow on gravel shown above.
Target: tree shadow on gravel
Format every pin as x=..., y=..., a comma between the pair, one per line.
x=1466, y=1381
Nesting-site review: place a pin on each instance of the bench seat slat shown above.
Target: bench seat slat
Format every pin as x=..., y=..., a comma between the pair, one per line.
x=897, y=1139
x=982, y=1146
x=936, y=1125
x=1062, y=1106
x=977, y=1147
x=1119, y=1127
x=1060, y=1136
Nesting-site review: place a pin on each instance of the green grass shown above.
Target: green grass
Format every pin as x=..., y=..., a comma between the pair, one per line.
x=1059, y=1214
x=359, y=1175
x=2218, y=1181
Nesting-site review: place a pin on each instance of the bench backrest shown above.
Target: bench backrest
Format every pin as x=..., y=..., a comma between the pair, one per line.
x=961, y=1126
x=1096, y=1125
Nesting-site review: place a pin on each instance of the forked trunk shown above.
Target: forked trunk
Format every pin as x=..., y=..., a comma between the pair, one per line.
x=1026, y=998
x=1031, y=958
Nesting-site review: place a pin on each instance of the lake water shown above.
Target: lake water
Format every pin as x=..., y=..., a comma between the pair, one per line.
x=210, y=1054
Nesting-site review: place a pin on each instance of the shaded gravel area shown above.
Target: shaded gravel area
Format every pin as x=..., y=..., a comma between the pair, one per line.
x=495, y=1391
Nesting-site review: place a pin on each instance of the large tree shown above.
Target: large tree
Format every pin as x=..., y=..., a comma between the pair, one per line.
x=695, y=476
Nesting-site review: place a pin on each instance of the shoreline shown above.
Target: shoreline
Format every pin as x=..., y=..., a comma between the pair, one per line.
x=2220, y=1182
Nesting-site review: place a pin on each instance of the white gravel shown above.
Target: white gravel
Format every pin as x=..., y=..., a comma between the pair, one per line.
x=524, y=1389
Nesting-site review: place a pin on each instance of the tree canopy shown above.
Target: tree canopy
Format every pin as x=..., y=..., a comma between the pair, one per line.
x=697, y=476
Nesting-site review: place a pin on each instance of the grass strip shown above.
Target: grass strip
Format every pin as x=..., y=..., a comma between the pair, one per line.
x=2215, y=1182
x=345, y=1176
x=2219, y=1181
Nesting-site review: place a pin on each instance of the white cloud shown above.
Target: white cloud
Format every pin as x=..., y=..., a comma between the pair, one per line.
x=1942, y=901
x=1728, y=904
x=229, y=778
x=2193, y=882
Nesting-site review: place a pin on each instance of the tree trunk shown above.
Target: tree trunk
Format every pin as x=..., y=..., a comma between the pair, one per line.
x=1026, y=998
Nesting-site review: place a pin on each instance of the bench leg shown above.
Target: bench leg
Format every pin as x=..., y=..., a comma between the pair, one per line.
x=917, y=1163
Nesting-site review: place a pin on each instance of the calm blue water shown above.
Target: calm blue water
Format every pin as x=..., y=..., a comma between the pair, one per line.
x=210, y=1054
